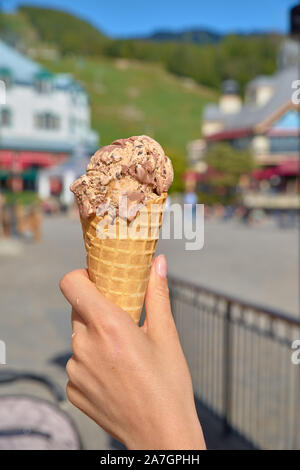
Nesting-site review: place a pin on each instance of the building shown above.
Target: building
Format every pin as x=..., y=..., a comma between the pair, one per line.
x=267, y=123
x=44, y=117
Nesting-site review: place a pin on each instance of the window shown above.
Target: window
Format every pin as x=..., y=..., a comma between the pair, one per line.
x=43, y=81
x=43, y=86
x=5, y=117
x=47, y=121
x=284, y=144
x=241, y=143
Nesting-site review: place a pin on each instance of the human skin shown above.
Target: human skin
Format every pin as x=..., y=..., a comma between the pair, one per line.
x=132, y=381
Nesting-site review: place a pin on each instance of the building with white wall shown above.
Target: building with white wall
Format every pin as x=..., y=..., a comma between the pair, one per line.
x=44, y=117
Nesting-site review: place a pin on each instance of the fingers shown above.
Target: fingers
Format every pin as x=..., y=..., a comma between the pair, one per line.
x=86, y=300
x=77, y=322
x=159, y=319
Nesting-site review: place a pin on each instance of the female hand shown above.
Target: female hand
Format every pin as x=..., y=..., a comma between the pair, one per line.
x=133, y=381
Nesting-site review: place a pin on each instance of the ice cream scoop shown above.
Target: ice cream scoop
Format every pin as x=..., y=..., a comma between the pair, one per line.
x=124, y=179
x=136, y=169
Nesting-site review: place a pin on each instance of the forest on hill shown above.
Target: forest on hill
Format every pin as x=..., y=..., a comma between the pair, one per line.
x=216, y=58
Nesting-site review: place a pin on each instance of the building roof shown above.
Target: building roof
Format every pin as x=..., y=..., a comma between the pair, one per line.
x=22, y=68
x=250, y=115
x=262, y=80
x=65, y=81
x=25, y=70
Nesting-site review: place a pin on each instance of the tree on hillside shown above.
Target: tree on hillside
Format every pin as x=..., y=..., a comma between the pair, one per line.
x=239, y=57
x=226, y=159
x=70, y=34
x=227, y=165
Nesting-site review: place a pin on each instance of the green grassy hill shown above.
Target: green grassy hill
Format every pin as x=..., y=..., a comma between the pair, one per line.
x=131, y=98
x=68, y=32
x=235, y=56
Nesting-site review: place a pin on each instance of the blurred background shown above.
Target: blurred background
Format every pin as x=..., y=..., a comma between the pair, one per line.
x=213, y=83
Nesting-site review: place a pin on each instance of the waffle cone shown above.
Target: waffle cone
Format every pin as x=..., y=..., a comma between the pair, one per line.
x=120, y=266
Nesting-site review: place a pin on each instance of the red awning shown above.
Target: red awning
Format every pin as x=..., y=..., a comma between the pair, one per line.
x=289, y=168
x=10, y=159
x=228, y=134
x=264, y=173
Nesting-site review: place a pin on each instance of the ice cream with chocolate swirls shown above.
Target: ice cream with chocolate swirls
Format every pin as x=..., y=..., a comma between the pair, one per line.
x=125, y=187
x=134, y=169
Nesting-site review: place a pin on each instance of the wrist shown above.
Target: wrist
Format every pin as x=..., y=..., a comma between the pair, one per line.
x=173, y=436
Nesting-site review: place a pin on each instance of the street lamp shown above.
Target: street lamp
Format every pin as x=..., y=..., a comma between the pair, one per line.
x=295, y=34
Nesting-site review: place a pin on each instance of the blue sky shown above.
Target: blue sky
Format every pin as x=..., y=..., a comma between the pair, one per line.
x=139, y=17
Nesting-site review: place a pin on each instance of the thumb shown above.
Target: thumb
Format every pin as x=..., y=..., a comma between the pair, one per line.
x=157, y=300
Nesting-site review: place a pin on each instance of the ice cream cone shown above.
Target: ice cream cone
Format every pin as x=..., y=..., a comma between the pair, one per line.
x=120, y=265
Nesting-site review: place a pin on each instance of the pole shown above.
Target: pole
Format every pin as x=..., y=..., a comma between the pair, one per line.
x=227, y=370
x=295, y=34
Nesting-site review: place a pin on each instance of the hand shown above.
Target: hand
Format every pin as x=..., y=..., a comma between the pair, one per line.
x=133, y=381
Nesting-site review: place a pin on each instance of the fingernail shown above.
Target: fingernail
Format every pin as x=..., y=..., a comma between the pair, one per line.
x=161, y=266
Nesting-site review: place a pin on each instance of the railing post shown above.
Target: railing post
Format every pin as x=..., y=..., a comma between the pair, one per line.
x=227, y=363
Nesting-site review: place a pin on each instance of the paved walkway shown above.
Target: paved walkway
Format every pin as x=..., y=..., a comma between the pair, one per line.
x=258, y=264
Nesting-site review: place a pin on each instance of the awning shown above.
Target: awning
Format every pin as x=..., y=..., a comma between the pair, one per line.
x=265, y=173
x=21, y=160
x=289, y=168
x=228, y=134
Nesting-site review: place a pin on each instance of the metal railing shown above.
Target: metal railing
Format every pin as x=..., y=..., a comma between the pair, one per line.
x=239, y=355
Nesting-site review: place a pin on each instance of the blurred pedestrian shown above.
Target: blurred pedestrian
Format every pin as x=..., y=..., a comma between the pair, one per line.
x=190, y=198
